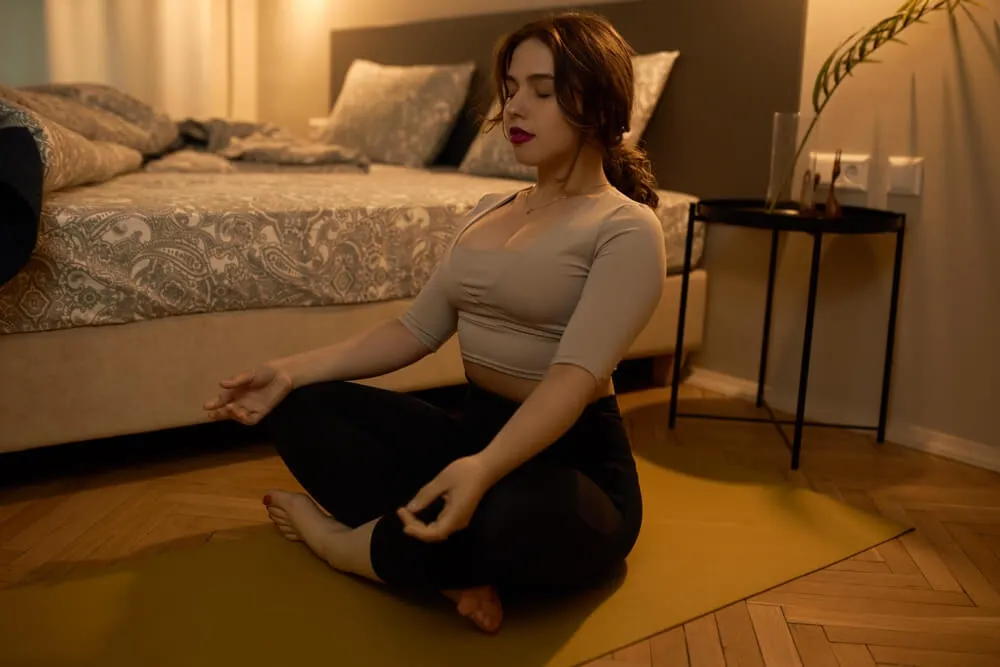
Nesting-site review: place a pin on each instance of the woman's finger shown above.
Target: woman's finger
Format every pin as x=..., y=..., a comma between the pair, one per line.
x=426, y=495
x=240, y=380
x=421, y=531
x=241, y=413
x=216, y=403
x=412, y=525
x=444, y=524
x=225, y=396
x=407, y=517
x=427, y=532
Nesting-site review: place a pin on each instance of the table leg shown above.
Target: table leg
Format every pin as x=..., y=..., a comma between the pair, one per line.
x=891, y=338
x=807, y=348
x=681, y=317
x=766, y=339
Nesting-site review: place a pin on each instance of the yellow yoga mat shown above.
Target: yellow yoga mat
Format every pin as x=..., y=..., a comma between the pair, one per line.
x=712, y=536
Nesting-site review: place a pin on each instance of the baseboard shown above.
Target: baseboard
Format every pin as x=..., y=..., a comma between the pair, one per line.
x=946, y=445
x=720, y=383
x=908, y=435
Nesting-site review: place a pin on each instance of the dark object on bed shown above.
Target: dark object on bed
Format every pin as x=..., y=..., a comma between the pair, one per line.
x=216, y=145
x=215, y=134
x=710, y=135
x=21, y=177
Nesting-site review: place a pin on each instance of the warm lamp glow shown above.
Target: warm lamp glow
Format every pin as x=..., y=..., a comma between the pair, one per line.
x=309, y=7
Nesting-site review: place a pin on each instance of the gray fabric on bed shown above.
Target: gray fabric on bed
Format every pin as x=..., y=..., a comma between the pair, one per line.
x=69, y=158
x=161, y=130
x=260, y=144
x=88, y=134
x=149, y=245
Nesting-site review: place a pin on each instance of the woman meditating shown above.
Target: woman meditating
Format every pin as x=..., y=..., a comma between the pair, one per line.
x=534, y=487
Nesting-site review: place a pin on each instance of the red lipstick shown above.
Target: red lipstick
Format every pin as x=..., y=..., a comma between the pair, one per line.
x=519, y=136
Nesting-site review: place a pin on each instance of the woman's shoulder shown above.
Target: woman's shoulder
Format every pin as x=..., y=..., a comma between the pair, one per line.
x=622, y=214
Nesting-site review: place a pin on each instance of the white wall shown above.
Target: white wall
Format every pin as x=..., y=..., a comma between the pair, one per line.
x=23, y=58
x=938, y=98
x=173, y=54
x=294, y=63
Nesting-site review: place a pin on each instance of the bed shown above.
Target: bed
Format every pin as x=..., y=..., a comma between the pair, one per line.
x=148, y=288
x=165, y=268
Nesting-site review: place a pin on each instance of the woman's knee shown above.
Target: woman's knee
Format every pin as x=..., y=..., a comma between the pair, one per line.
x=549, y=495
x=550, y=527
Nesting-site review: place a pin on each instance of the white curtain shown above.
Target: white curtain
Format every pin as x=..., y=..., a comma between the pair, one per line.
x=190, y=58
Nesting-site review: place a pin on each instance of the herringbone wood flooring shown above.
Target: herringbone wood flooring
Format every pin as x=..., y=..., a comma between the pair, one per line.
x=930, y=598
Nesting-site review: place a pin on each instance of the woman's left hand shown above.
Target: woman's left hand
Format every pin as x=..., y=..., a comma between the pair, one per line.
x=462, y=485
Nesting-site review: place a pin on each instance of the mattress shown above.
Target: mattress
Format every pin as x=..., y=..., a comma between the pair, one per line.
x=149, y=245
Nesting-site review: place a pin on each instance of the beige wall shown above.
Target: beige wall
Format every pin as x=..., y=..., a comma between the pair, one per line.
x=937, y=98
x=23, y=57
x=294, y=68
x=245, y=78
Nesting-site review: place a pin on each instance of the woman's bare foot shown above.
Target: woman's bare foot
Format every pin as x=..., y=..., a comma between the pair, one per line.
x=300, y=519
x=481, y=605
x=341, y=547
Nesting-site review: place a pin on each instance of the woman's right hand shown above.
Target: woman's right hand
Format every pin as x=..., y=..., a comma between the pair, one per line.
x=249, y=396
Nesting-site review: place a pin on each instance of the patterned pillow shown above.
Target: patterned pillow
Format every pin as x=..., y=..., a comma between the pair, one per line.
x=398, y=114
x=92, y=123
x=491, y=154
x=69, y=158
x=161, y=129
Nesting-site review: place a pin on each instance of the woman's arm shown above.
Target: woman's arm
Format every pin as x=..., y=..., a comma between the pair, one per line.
x=551, y=409
x=425, y=326
x=377, y=351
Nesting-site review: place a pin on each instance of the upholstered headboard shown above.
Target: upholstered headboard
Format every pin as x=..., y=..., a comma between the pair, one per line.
x=710, y=133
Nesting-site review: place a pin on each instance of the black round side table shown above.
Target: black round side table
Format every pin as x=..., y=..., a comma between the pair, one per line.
x=787, y=217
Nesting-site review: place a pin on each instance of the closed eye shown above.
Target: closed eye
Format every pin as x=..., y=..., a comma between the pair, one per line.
x=512, y=90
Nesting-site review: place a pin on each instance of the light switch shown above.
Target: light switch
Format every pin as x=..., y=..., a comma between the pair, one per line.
x=906, y=175
x=855, y=169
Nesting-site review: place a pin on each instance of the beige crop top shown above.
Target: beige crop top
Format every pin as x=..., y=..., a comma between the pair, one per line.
x=579, y=294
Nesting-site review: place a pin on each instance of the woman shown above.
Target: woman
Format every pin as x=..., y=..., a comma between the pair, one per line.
x=534, y=487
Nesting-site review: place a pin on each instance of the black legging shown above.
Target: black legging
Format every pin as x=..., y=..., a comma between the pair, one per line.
x=566, y=519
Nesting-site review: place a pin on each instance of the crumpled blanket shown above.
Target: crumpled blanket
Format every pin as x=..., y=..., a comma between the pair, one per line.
x=218, y=145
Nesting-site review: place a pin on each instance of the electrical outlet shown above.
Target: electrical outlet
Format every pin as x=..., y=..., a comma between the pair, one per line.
x=906, y=175
x=855, y=169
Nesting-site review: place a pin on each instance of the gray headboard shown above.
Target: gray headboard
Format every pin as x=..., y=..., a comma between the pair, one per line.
x=711, y=131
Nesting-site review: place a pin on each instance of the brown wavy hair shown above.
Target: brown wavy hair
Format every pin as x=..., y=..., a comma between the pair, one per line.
x=595, y=87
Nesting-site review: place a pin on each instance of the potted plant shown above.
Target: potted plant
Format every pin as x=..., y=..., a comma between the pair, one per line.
x=850, y=54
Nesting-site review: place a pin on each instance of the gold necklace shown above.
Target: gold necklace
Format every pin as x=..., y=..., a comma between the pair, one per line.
x=528, y=210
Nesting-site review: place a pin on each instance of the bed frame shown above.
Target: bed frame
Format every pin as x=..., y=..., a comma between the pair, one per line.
x=91, y=382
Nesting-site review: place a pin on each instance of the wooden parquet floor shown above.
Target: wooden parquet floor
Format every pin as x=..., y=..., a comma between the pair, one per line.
x=930, y=598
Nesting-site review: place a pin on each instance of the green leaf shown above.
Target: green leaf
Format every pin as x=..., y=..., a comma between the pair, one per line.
x=822, y=82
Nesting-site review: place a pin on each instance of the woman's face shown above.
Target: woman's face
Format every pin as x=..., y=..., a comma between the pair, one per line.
x=538, y=130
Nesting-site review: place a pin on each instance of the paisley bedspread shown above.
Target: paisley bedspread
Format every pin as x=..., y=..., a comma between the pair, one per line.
x=147, y=245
